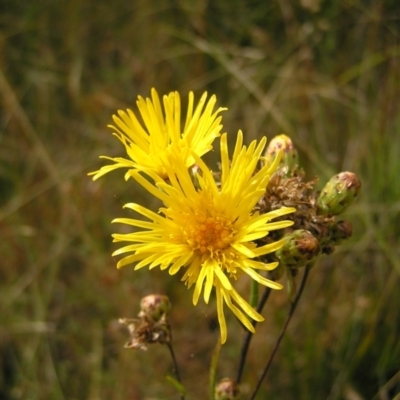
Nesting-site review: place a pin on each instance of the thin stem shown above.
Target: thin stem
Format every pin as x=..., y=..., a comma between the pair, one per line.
x=213, y=368
x=254, y=293
x=176, y=368
x=249, y=335
x=277, y=343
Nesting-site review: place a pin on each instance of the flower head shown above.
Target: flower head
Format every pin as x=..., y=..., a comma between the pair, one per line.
x=149, y=144
x=211, y=230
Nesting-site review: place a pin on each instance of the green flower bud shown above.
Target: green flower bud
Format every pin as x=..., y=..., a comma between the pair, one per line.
x=226, y=389
x=154, y=307
x=289, y=153
x=299, y=249
x=341, y=191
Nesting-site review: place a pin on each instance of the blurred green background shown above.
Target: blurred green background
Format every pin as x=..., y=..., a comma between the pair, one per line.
x=327, y=73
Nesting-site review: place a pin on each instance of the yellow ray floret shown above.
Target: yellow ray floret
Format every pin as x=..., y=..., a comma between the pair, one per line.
x=149, y=143
x=208, y=230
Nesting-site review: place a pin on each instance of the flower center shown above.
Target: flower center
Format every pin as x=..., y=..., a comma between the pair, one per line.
x=208, y=234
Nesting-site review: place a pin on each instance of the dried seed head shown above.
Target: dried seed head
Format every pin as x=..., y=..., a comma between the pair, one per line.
x=152, y=325
x=143, y=332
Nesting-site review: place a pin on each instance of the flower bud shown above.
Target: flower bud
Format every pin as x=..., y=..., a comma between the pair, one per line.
x=341, y=191
x=154, y=307
x=226, y=389
x=289, y=152
x=299, y=249
x=340, y=231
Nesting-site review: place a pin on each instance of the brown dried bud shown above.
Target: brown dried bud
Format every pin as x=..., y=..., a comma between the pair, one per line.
x=226, y=389
x=341, y=231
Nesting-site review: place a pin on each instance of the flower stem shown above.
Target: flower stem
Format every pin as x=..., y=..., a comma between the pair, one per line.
x=213, y=368
x=176, y=368
x=254, y=293
x=280, y=337
x=249, y=335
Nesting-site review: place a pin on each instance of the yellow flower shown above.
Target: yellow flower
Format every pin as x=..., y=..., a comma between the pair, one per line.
x=148, y=145
x=209, y=231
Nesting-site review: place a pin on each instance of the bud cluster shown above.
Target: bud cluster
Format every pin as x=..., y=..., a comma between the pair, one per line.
x=317, y=228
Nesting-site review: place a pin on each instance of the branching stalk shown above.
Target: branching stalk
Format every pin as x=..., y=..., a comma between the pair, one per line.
x=282, y=333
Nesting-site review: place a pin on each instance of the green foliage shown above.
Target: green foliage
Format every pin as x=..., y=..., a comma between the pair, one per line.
x=324, y=73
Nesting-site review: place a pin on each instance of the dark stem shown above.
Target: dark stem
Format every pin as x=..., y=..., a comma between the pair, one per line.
x=277, y=343
x=249, y=335
x=176, y=368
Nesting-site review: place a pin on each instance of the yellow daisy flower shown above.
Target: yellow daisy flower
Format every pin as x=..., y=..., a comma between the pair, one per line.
x=149, y=144
x=209, y=231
